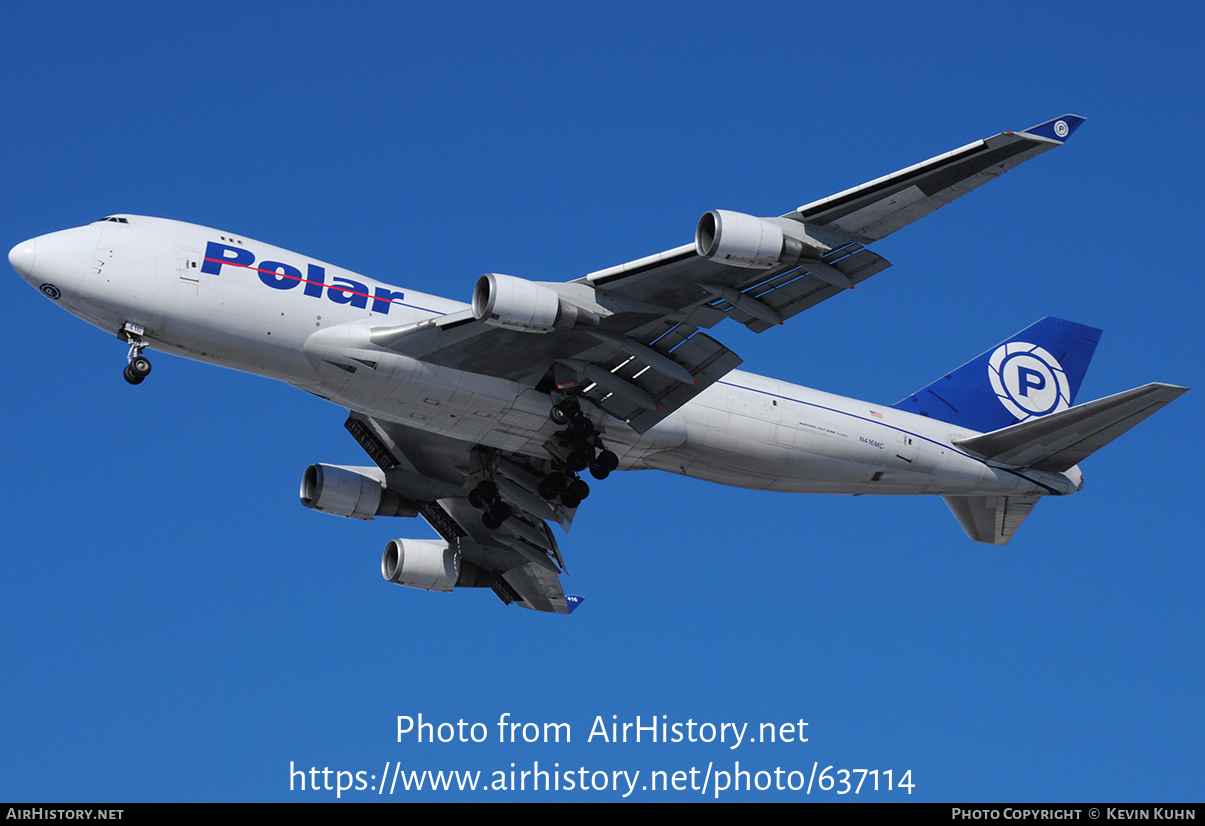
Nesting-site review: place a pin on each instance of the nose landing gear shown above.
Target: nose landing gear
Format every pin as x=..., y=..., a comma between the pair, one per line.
x=138, y=366
x=137, y=370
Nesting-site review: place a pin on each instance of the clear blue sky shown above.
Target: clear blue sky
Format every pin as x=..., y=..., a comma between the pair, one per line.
x=178, y=627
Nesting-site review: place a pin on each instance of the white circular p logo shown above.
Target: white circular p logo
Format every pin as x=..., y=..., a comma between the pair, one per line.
x=1028, y=380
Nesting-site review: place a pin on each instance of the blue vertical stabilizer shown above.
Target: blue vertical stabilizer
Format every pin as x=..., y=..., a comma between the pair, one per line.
x=1037, y=371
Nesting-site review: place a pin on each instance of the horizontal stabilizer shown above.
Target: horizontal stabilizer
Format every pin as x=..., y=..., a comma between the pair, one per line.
x=539, y=589
x=991, y=519
x=1059, y=441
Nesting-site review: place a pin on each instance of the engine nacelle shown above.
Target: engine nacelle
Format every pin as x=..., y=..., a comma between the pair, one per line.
x=431, y=565
x=355, y=492
x=519, y=304
x=757, y=243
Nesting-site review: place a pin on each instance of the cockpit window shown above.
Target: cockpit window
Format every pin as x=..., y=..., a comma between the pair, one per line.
x=117, y=219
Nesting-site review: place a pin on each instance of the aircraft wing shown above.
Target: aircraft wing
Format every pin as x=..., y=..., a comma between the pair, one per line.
x=437, y=474
x=876, y=209
x=629, y=337
x=842, y=224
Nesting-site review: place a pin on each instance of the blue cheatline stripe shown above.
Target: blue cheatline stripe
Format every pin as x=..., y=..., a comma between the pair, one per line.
x=855, y=416
x=943, y=445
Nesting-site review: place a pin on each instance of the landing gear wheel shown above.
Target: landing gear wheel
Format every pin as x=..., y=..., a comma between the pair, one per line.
x=580, y=458
x=581, y=428
x=486, y=492
x=598, y=472
x=551, y=486
x=498, y=512
x=564, y=410
x=578, y=489
x=606, y=461
x=131, y=377
x=140, y=366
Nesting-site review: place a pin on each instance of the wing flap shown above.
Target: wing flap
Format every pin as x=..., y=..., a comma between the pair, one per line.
x=790, y=293
x=633, y=391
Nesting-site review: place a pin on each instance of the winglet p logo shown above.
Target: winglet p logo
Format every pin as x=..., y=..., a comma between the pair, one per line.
x=1028, y=380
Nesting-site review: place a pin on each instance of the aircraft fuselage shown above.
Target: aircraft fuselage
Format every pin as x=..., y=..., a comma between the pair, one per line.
x=228, y=300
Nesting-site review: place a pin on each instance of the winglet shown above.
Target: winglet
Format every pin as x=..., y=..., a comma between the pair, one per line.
x=573, y=600
x=1057, y=130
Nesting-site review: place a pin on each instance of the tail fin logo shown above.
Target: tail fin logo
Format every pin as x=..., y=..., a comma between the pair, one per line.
x=1028, y=380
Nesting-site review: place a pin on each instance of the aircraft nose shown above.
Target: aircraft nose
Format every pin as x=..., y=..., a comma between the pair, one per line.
x=56, y=263
x=22, y=257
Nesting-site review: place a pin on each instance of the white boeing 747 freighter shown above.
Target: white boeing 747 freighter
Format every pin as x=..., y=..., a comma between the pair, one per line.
x=483, y=418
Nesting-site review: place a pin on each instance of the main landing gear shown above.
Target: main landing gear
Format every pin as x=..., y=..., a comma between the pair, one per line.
x=578, y=447
x=583, y=449
x=138, y=366
x=494, y=511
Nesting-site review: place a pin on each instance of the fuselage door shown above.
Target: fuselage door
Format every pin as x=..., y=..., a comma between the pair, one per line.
x=188, y=267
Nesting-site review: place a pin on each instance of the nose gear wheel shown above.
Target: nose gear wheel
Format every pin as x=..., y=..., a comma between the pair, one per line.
x=138, y=366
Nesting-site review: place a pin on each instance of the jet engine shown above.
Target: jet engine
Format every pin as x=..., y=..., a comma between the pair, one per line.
x=518, y=304
x=355, y=492
x=757, y=243
x=431, y=565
